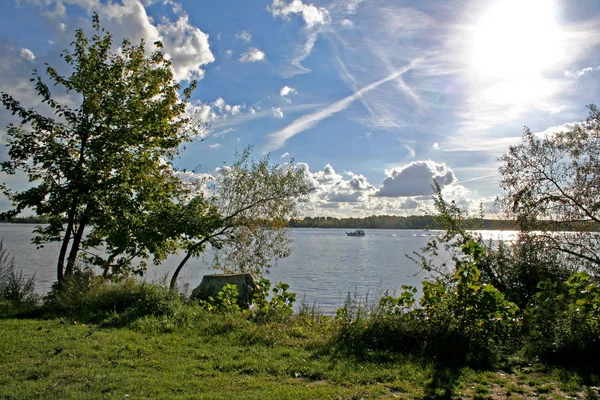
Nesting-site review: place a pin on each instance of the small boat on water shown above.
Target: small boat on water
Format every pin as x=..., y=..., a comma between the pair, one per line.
x=358, y=232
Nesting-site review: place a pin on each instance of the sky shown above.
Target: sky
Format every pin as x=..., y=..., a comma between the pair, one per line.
x=375, y=99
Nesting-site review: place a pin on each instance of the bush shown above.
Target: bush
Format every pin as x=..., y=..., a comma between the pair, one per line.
x=517, y=268
x=16, y=291
x=563, y=322
x=460, y=320
x=90, y=298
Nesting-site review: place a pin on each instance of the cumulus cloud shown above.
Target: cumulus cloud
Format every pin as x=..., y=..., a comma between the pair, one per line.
x=216, y=112
x=409, y=204
x=312, y=15
x=287, y=90
x=252, y=55
x=187, y=46
x=327, y=175
x=415, y=179
x=245, y=36
x=277, y=112
x=358, y=182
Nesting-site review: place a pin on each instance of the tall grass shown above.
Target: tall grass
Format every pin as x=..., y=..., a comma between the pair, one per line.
x=16, y=290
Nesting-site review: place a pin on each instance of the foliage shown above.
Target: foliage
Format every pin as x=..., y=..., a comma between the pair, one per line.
x=458, y=320
x=281, y=301
x=88, y=298
x=563, y=321
x=476, y=312
x=105, y=165
x=552, y=183
x=247, y=229
x=16, y=290
x=515, y=268
x=262, y=308
x=226, y=301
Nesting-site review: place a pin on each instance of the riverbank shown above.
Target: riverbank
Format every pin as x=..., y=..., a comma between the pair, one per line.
x=229, y=357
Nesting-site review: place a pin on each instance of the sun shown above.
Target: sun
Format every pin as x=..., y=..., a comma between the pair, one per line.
x=515, y=40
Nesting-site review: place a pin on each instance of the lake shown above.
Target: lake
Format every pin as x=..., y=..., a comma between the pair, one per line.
x=325, y=264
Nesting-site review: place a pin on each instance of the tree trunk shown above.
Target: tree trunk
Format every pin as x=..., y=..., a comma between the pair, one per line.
x=173, y=284
x=191, y=250
x=75, y=249
x=65, y=244
x=63, y=252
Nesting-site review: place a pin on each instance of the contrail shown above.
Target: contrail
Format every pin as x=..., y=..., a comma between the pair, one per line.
x=277, y=139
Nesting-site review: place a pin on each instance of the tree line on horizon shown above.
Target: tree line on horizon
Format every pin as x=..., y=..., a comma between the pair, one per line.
x=397, y=222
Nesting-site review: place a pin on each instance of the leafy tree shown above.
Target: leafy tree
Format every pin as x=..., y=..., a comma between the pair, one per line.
x=552, y=185
x=106, y=164
x=245, y=223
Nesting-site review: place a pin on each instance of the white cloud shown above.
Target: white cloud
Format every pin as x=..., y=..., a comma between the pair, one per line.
x=215, y=146
x=252, y=55
x=415, y=179
x=315, y=20
x=311, y=14
x=346, y=23
x=187, y=46
x=352, y=5
x=410, y=204
x=277, y=112
x=216, y=112
x=245, y=36
x=277, y=139
x=579, y=73
x=411, y=152
x=328, y=175
x=27, y=54
x=284, y=155
x=436, y=146
x=287, y=90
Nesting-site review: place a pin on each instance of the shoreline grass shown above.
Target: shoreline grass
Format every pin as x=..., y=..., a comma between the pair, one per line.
x=229, y=357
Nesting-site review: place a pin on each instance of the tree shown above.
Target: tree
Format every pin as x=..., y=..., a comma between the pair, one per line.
x=104, y=166
x=552, y=187
x=245, y=223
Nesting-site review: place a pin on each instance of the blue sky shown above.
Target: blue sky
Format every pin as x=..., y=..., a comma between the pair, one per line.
x=375, y=98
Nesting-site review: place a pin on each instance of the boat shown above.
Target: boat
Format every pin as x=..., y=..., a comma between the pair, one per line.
x=358, y=232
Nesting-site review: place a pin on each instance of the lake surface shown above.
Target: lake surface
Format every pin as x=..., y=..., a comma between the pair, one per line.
x=325, y=264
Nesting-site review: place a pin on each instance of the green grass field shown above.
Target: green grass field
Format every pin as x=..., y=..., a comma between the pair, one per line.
x=231, y=358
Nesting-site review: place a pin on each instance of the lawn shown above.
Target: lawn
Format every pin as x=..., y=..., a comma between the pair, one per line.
x=228, y=357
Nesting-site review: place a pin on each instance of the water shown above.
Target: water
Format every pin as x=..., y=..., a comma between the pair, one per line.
x=324, y=267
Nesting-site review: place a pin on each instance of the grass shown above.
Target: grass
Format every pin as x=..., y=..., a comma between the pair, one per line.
x=227, y=356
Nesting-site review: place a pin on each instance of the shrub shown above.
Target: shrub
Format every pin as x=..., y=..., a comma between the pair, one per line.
x=16, y=290
x=563, y=321
x=90, y=298
x=459, y=320
x=262, y=308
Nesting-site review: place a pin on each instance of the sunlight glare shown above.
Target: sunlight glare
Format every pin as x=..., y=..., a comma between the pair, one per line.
x=516, y=39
